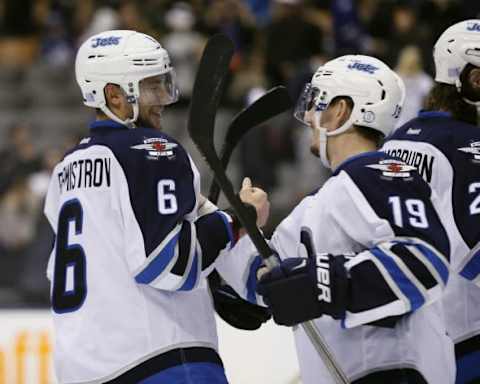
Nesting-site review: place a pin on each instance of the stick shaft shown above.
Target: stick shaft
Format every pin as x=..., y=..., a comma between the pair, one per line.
x=324, y=352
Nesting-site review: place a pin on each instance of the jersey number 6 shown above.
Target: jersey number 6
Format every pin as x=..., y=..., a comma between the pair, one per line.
x=167, y=202
x=69, y=283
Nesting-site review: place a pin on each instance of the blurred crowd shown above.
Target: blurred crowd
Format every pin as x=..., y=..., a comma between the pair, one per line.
x=276, y=42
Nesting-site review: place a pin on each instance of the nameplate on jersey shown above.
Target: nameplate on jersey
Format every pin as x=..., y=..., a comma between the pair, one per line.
x=422, y=162
x=156, y=147
x=473, y=150
x=391, y=168
x=85, y=173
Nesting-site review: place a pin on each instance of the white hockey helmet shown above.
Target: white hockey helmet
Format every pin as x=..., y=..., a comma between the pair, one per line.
x=123, y=58
x=377, y=93
x=458, y=46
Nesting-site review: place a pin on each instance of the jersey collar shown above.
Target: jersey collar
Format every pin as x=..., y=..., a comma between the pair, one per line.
x=429, y=114
x=106, y=124
x=355, y=157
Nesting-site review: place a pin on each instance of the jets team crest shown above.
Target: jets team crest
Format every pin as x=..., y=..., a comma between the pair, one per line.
x=393, y=168
x=474, y=150
x=156, y=147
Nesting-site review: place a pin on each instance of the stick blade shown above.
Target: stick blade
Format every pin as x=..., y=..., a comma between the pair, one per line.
x=208, y=86
x=274, y=102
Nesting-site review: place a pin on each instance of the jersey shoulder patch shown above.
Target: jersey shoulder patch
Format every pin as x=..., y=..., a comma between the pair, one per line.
x=377, y=166
x=145, y=145
x=468, y=147
x=377, y=174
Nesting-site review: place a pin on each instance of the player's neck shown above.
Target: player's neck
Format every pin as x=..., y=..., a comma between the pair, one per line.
x=346, y=145
x=122, y=113
x=99, y=115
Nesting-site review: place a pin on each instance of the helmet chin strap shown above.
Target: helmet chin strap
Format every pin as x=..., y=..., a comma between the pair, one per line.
x=324, y=134
x=130, y=123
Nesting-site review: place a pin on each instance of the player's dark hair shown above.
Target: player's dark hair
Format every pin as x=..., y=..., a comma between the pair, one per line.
x=445, y=97
x=347, y=99
x=371, y=135
x=366, y=132
x=468, y=91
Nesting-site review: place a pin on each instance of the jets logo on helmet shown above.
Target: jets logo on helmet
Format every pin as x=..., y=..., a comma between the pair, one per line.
x=473, y=26
x=363, y=67
x=99, y=41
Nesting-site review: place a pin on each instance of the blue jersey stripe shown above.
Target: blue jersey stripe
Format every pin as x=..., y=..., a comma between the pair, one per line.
x=198, y=373
x=252, y=279
x=157, y=266
x=407, y=287
x=472, y=268
x=434, y=259
x=189, y=283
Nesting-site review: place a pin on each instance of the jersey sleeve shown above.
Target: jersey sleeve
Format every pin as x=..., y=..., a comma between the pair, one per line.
x=160, y=208
x=405, y=261
x=238, y=267
x=51, y=213
x=466, y=200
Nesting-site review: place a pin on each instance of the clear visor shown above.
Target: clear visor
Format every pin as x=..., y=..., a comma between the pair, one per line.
x=159, y=90
x=310, y=101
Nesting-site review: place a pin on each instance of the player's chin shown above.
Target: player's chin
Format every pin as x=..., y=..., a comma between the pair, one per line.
x=155, y=118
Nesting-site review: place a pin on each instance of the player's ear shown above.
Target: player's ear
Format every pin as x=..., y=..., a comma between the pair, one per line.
x=342, y=112
x=474, y=79
x=114, y=96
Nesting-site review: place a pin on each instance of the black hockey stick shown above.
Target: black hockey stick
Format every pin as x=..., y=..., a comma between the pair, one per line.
x=206, y=94
x=271, y=104
x=201, y=125
x=210, y=80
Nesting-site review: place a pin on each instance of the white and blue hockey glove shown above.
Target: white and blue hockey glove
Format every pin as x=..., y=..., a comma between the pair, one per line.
x=301, y=289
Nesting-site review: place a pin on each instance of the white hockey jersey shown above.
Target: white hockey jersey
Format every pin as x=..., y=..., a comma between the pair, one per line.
x=130, y=254
x=446, y=153
x=379, y=212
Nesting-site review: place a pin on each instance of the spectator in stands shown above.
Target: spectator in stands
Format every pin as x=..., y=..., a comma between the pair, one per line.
x=184, y=45
x=417, y=82
x=33, y=285
x=17, y=228
x=20, y=23
x=291, y=41
x=18, y=158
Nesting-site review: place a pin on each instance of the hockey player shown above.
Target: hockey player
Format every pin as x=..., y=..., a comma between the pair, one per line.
x=444, y=145
x=366, y=255
x=134, y=237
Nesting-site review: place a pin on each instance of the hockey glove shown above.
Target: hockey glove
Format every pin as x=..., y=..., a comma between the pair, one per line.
x=233, y=309
x=301, y=289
